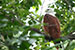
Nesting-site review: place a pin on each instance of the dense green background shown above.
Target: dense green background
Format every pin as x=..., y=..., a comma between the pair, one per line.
x=15, y=34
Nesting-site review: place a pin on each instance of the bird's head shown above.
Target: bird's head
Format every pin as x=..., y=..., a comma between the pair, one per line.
x=50, y=11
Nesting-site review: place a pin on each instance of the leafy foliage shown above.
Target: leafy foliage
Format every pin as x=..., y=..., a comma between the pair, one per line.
x=16, y=22
x=66, y=13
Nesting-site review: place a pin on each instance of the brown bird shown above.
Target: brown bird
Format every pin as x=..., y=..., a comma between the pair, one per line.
x=52, y=27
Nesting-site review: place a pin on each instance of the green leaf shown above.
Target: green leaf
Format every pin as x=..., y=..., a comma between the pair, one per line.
x=24, y=45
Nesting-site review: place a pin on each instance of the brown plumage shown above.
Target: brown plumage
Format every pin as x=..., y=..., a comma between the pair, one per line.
x=53, y=27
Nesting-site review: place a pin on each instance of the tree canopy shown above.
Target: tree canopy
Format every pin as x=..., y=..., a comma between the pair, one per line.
x=20, y=28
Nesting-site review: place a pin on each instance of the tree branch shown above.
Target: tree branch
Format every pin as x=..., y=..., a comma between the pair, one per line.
x=70, y=36
x=34, y=19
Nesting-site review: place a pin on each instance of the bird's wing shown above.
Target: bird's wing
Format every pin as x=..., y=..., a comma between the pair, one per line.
x=54, y=23
x=57, y=25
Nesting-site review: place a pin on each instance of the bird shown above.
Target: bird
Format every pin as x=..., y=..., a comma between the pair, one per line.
x=52, y=26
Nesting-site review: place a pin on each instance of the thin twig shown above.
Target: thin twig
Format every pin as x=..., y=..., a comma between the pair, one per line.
x=34, y=19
